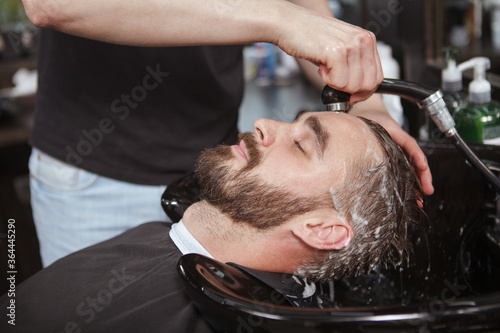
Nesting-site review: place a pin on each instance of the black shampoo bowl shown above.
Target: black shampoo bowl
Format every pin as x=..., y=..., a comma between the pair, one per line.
x=452, y=284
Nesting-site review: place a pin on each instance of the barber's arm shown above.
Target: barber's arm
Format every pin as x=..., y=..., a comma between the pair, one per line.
x=347, y=54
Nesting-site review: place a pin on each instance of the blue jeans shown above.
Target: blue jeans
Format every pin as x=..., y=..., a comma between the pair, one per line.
x=74, y=208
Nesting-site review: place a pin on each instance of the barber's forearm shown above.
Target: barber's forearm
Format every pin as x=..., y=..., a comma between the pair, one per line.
x=309, y=69
x=320, y=6
x=347, y=54
x=372, y=108
x=163, y=22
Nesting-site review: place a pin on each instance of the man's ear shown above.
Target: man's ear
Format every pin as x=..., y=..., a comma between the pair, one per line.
x=324, y=230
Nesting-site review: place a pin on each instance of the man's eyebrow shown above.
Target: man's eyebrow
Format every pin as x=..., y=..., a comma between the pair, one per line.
x=320, y=134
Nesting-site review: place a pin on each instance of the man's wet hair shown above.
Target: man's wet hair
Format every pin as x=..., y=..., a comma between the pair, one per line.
x=380, y=198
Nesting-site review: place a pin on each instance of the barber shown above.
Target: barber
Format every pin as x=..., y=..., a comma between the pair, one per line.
x=130, y=93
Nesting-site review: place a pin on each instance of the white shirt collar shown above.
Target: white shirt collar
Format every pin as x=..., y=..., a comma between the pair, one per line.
x=186, y=243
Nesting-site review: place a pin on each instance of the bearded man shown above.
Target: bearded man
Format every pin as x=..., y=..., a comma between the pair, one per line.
x=327, y=196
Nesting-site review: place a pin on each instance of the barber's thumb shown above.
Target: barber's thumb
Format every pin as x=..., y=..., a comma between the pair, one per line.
x=323, y=71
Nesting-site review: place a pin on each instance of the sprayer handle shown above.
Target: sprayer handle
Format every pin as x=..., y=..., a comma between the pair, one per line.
x=335, y=100
x=330, y=95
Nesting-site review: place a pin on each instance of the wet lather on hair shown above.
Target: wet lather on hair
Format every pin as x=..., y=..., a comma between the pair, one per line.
x=380, y=199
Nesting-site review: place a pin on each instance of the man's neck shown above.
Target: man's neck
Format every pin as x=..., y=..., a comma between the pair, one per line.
x=216, y=232
x=238, y=242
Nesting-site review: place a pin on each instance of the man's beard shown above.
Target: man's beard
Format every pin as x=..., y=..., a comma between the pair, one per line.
x=245, y=197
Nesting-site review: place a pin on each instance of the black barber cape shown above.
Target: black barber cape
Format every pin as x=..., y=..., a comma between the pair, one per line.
x=127, y=284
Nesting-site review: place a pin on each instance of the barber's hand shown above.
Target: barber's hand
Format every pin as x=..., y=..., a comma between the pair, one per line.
x=413, y=151
x=347, y=55
x=375, y=109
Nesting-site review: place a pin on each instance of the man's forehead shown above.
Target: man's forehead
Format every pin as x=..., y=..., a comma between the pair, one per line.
x=328, y=118
x=305, y=114
x=352, y=128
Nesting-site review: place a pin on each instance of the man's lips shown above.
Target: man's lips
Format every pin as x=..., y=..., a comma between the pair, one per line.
x=240, y=149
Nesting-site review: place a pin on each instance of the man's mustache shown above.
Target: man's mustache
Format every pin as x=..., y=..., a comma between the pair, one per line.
x=253, y=152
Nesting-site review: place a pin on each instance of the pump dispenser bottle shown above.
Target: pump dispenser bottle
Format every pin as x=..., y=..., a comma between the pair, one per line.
x=451, y=85
x=451, y=81
x=478, y=121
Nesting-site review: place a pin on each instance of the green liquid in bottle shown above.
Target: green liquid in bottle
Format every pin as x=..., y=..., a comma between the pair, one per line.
x=479, y=123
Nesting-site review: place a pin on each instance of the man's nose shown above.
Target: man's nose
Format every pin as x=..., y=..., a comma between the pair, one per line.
x=266, y=131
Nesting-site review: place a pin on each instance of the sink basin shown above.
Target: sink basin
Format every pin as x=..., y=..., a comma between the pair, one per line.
x=452, y=284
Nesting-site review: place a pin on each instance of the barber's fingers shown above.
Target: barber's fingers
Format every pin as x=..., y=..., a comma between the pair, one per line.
x=417, y=156
x=337, y=66
x=424, y=174
x=353, y=66
x=405, y=141
x=372, y=74
x=347, y=54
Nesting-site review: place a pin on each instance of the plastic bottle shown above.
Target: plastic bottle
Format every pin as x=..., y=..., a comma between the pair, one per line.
x=493, y=7
x=451, y=85
x=478, y=121
x=391, y=70
x=451, y=81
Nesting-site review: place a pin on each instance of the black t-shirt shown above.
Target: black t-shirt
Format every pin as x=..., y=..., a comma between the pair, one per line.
x=135, y=114
x=127, y=284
